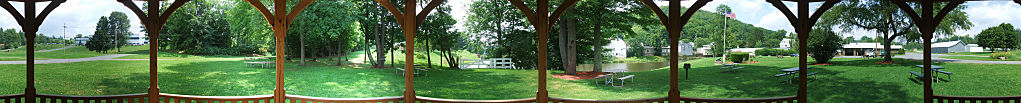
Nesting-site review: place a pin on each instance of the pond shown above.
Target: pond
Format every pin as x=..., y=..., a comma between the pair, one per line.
x=627, y=67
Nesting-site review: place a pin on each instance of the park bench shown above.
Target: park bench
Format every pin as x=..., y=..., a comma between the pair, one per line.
x=782, y=75
x=625, y=78
x=813, y=73
x=605, y=78
x=945, y=72
x=916, y=74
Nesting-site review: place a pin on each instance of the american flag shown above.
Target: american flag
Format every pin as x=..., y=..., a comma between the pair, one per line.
x=731, y=15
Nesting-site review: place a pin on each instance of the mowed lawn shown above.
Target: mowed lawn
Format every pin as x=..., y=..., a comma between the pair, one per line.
x=847, y=80
x=73, y=52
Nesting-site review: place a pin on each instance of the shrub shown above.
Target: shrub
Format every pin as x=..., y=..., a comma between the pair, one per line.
x=766, y=52
x=737, y=57
x=997, y=55
x=823, y=45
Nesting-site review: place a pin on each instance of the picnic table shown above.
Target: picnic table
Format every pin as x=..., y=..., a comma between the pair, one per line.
x=418, y=68
x=261, y=64
x=254, y=58
x=936, y=69
x=933, y=67
x=795, y=69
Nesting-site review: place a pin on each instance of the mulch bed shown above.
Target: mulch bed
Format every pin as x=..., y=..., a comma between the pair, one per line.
x=821, y=64
x=580, y=75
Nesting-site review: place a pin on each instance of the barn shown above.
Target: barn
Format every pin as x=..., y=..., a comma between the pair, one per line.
x=950, y=47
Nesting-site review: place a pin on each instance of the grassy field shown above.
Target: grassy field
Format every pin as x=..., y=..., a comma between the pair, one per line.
x=73, y=52
x=980, y=53
x=848, y=79
x=981, y=58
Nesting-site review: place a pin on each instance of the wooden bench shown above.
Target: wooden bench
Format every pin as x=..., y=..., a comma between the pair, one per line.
x=402, y=70
x=625, y=78
x=605, y=78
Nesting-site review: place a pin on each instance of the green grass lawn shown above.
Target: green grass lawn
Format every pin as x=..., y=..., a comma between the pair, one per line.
x=848, y=79
x=73, y=52
x=981, y=58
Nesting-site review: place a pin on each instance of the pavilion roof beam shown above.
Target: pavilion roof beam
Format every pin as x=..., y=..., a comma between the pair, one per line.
x=409, y=21
x=803, y=24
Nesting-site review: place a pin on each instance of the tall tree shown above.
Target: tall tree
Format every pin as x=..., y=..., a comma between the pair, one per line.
x=886, y=19
x=438, y=26
x=200, y=28
x=598, y=20
x=102, y=38
x=119, y=24
x=325, y=30
x=1003, y=36
x=500, y=25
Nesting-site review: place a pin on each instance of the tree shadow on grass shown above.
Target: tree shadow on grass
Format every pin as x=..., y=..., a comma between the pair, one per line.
x=130, y=84
x=216, y=78
x=872, y=63
x=830, y=88
x=476, y=84
x=342, y=82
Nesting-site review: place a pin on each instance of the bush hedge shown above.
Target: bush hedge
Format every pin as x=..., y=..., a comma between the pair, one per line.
x=774, y=52
x=997, y=55
x=737, y=57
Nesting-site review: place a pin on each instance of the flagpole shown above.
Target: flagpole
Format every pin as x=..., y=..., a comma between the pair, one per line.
x=726, y=51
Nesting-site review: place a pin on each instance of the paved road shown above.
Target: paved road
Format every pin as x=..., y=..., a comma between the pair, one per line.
x=936, y=58
x=105, y=57
x=54, y=49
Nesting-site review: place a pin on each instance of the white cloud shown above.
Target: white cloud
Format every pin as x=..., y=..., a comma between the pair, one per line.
x=991, y=13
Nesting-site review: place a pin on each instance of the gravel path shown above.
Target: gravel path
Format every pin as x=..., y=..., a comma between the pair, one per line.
x=48, y=61
x=54, y=49
x=936, y=58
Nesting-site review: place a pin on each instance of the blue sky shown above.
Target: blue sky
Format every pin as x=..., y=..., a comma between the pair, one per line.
x=756, y=12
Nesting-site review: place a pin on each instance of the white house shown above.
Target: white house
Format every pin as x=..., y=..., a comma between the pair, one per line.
x=866, y=49
x=704, y=50
x=975, y=48
x=684, y=49
x=950, y=47
x=81, y=40
x=137, y=39
x=785, y=43
x=618, y=48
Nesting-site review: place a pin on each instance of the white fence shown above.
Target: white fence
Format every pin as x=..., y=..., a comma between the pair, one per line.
x=499, y=63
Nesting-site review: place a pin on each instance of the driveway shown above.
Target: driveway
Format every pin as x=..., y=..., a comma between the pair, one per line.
x=936, y=58
x=105, y=57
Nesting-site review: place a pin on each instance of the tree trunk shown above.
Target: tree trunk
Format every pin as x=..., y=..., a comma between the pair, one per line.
x=380, y=50
x=567, y=32
x=341, y=53
x=428, y=53
x=886, y=47
x=597, y=65
x=302, y=46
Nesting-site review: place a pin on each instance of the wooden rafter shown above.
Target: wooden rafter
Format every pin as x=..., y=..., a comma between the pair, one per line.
x=674, y=24
x=803, y=24
x=263, y=10
x=153, y=21
x=542, y=20
x=29, y=23
x=409, y=21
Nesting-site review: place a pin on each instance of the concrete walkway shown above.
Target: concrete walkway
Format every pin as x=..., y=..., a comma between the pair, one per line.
x=53, y=49
x=936, y=58
x=48, y=61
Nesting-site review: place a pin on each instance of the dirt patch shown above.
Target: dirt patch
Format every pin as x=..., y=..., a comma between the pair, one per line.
x=580, y=75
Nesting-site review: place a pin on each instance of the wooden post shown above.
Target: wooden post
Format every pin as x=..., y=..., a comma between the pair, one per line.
x=542, y=21
x=803, y=24
x=30, y=25
x=927, y=23
x=675, y=24
x=280, y=19
x=409, y=21
x=153, y=22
